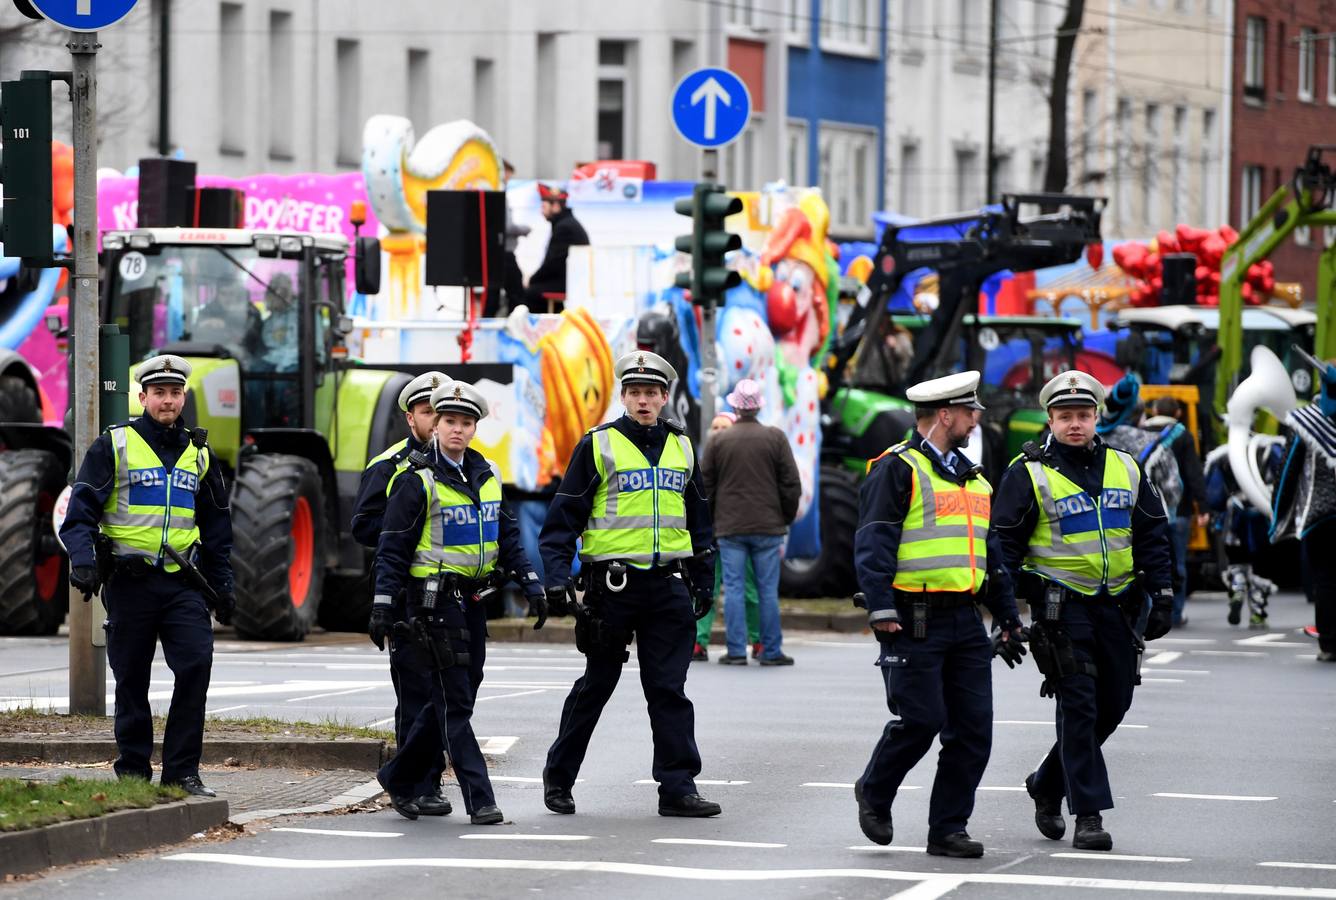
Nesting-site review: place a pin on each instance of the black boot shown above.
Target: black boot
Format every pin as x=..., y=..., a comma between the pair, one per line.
x=959, y=845
x=876, y=828
x=1047, y=813
x=405, y=806
x=688, y=806
x=557, y=799
x=434, y=804
x=1090, y=834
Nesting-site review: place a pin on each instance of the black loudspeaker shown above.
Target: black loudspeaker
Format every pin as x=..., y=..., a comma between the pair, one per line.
x=218, y=207
x=166, y=193
x=466, y=237
x=1180, y=279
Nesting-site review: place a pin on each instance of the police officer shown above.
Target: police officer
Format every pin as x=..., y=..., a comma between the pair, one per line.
x=632, y=494
x=144, y=486
x=412, y=687
x=925, y=558
x=447, y=540
x=1084, y=534
x=373, y=490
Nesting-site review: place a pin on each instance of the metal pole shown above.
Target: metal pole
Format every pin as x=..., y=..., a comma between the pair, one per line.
x=165, y=79
x=88, y=663
x=990, y=175
x=708, y=375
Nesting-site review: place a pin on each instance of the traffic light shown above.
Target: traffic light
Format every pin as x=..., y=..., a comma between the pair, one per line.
x=25, y=166
x=708, y=280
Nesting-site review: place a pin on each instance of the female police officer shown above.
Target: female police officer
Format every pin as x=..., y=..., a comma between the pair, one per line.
x=1077, y=523
x=445, y=536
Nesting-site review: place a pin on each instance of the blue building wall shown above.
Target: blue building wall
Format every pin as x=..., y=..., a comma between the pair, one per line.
x=839, y=88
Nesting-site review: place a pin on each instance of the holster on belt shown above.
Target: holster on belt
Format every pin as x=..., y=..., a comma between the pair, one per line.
x=1050, y=644
x=594, y=636
x=435, y=642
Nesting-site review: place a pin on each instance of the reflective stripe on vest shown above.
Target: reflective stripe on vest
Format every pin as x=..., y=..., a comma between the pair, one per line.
x=943, y=543
x=389, y=453
x=459, y=536
x=148, y=506
x=639, y=514
x=1077, y=542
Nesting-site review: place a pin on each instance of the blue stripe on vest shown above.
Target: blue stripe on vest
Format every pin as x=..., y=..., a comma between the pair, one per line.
x=1117, y=518
x=148, y=487
x=644, y=479
x=1078, y=523
x=459, y=524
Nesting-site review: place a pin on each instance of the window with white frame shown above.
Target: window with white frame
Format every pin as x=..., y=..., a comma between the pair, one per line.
x=910, y=179
x=1178, y=175
x=850, y=26
x=968, y=190
x=1331, y=70
x=615, y=137
x=231, y=57
x=1254, y=58
x=1089, y=128
x=1209, y=210
x=798, y=21
x=348, y=55
x=908, y=24
x=1250, y=194
x=737, y=161
x=1122, y=174
x=848, y=175
x=741, y=13
x=795, y=153
x=1307, y=63
x=1150, y=177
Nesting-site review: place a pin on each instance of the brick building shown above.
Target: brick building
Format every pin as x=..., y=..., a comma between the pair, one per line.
x=1284, y=100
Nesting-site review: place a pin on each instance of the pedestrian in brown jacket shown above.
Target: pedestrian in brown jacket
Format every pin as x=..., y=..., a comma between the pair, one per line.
x=751, y=481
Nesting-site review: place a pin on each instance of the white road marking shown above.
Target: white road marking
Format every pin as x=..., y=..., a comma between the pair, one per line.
x=1226, y=653
x=701, y=842
x=1145, y=680
x=496, y=746
x=1214, y=797
x=1185, y=671
x=875, y=849
x=287, y=687
x=333, y=833
x=515, y=694
x=525, y=837
x=1048, y=722
x=1290, y=865
x=524, y=779
x=1164, y=657
x=1272, y=639
x=930, y=889
x=1005, y=787
x=850, y=785
x=380, y=722
x=699, y=781
x=1122, y=856
x=1174, y=640
x=703, y=874
x=214, y=712
x=360, y=690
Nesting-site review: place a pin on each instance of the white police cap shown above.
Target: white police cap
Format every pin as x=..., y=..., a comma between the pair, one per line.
x=643, y=367
x=1072, y=389
x=164, y=369
x=459, y=397
x=960, y=389
x=420, y=388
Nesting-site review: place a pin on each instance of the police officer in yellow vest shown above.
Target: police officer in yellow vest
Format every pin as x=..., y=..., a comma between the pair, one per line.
x=412, y=687
x=1083, y=533
x=447, y=540
x=925, y=557
x=631, y=494
x=146, y=485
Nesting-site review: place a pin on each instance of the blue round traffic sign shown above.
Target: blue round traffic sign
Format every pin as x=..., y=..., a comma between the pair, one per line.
x=711, y=107
x=84, y=15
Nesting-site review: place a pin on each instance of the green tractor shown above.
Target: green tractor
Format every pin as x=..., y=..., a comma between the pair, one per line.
x=864, y=410
x=260, y=317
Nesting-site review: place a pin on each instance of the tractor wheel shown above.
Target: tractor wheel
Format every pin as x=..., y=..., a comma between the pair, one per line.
x=18, y=401
x=34, y=591
x=831, y=573
x=347, y=602
x=278, y=546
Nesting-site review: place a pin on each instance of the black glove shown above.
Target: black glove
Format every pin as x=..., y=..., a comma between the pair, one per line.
x=703, y=601
x=380, y=626
x=538, y=607
x=556, y=602
x=227, y=604
x=85, y=580
x=1012, y=650
x=1161, y=617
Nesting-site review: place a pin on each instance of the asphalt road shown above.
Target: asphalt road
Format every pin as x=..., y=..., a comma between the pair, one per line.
x=1223, y=777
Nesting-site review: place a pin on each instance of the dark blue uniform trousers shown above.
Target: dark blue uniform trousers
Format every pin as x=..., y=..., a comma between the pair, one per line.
x=942, y=684
x=1090, y=707
x=443, y=718
x=143, y=608
x=412, y=692
x=657, y=607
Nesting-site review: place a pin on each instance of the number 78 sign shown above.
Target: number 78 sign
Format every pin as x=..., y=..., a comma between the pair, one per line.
x=82, y=15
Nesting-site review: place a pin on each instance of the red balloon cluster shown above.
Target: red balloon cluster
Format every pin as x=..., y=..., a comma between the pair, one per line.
x=1144, y=264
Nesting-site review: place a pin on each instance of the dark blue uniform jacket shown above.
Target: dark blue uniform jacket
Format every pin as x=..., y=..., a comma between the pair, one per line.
x=97, y=477
x=372, y=493
x=570, y=508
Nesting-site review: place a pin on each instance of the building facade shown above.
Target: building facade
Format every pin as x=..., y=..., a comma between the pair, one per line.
x=1284, y=80
x=1149, y=113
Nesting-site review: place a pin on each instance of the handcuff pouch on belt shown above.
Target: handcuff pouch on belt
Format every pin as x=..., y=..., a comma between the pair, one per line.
x=595, y=637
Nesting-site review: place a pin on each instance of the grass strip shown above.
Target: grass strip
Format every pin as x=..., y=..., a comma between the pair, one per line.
x=31, y=804
x=29, y=720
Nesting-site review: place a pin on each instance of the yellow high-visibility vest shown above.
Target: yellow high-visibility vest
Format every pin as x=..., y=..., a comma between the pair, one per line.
x=639, y=514
x=150, y=507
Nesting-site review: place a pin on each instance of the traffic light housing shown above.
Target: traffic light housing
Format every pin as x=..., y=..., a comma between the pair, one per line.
x=25, y=166
x=709, y=278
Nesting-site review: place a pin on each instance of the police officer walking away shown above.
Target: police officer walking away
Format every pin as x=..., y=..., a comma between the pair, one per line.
x=447, y=540
x=632, y=493
x=146, y=488
x=1084, y=534
x=412, y=686
x=924, y=557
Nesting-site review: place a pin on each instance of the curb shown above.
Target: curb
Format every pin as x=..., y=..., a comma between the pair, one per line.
x=562, y=631
x=124, y=831
x=364, y=753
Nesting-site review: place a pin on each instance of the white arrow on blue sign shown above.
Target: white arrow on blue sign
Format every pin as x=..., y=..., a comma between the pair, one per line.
x=84, y=15
x=711, y=107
